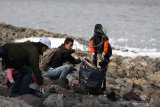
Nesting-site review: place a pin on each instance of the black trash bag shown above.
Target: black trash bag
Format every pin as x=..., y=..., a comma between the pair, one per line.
x=35, y=92
x=91, y=78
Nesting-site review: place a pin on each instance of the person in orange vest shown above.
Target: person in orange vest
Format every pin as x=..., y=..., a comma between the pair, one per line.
x=99, y=45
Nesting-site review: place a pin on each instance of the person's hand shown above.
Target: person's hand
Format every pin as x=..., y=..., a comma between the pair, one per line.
x=92, y=56
x=41, y=89
x=78, y=50
x=12, y=81
x=103, y=54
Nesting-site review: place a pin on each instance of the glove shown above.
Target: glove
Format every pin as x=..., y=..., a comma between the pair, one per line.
x=12, y=81
x=103, y=54
x=81, y=58
x=92, y=56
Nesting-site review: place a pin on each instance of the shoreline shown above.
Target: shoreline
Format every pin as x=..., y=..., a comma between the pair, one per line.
x=9, y=33
x=139, y=75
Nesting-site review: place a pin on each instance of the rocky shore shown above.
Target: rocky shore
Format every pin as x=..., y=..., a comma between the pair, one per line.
x=9, y=33
x=131, y=82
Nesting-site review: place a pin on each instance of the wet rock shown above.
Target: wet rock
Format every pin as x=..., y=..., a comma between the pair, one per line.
x=12, y=102
x=70, y=102
x=145, y=96
x=90, y=101
x=155, y=103
x=110, y=80
x=121, y=73
x=137, y=86
x=131, y=96
x=72, y=79
x=103, y=99
x=31, y=100
x=4, y=90
x=126, y=64
x=47, y=81
x=112, y=67
x=49, y=89
x=111, y=95
x=54, y=100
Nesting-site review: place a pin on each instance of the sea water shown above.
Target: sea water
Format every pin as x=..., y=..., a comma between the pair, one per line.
x=132, y=25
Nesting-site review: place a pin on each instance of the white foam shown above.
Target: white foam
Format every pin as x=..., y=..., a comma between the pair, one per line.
x=131, y=52
x=122, y=40
x=55, y=42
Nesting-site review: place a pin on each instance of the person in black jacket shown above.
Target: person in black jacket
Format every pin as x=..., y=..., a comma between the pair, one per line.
x=24, y=57
x=56, y=68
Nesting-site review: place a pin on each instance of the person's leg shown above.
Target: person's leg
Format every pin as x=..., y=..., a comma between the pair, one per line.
x=104, y=85
x=65, y=71
x=14, y=87
x=104, y=78
x=94, y=60
x=26, y=73
x=59, y=72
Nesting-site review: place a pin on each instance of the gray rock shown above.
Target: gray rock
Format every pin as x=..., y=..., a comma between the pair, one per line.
x=70, y=102
x=31, y=100
x=12, y=102
x=54, y=100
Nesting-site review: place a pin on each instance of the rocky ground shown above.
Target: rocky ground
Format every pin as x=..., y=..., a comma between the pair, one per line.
x=131, y=82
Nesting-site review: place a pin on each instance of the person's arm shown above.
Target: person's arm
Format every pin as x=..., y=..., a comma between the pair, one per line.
x=72, y=60
x=68, y=57
x=9, y=74
x=105, y=50
x=33, y=58
x=91, y=47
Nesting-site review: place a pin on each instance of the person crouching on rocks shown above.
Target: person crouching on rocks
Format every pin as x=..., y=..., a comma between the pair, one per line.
x=57, y=70
x=24, y=57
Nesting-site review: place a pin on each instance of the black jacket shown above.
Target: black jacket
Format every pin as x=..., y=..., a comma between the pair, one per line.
x=61, y=56
x=19, y=54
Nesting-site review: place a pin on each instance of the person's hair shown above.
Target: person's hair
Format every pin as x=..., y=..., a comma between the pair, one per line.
x=41, y=45
x=98, y=29
x=67, y=40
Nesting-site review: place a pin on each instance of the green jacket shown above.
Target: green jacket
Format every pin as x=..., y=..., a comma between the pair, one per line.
x=19, y=54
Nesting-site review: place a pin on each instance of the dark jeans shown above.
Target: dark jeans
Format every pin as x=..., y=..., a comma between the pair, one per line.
x=22, y=81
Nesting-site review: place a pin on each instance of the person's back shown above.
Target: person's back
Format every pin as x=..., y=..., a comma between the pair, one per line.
x=17, y=54
x=98, y=43
x=62, y=55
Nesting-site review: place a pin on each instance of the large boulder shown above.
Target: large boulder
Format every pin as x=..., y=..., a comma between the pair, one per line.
x=55, y=100
x=12, y=102
x=31, y=100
